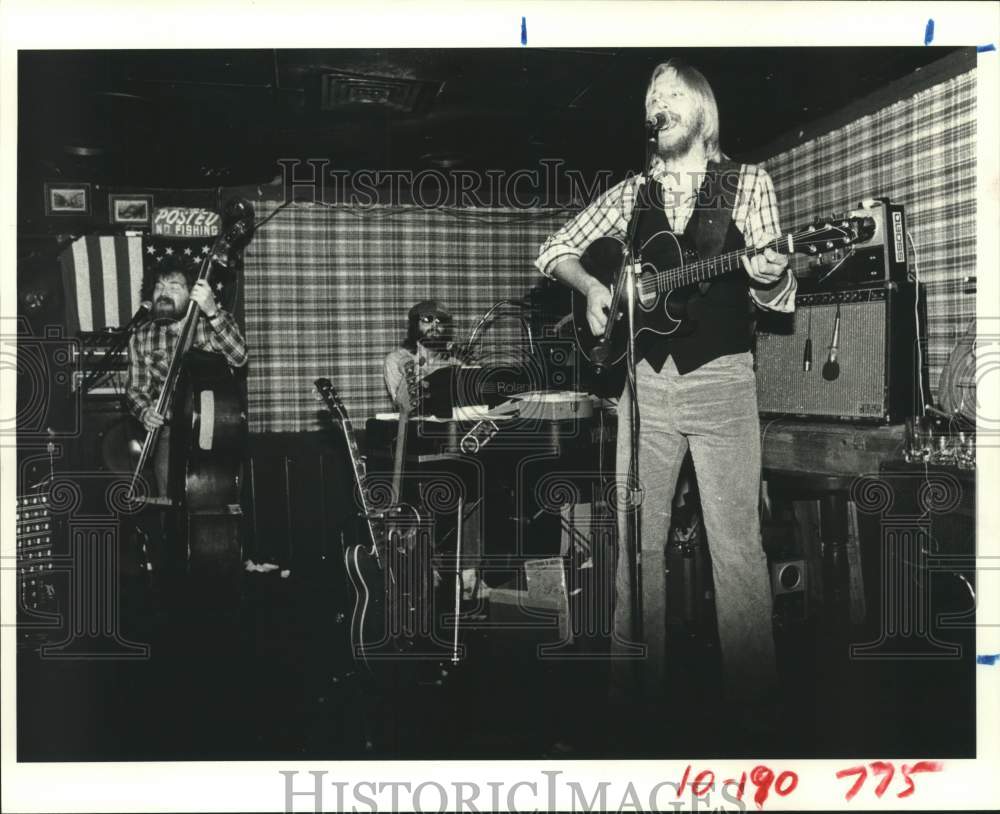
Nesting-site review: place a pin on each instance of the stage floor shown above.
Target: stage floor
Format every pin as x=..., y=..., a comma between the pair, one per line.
x=276, y=681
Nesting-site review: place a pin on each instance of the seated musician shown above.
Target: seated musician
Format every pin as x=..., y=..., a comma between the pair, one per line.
x=151, y=348
x=428, y=345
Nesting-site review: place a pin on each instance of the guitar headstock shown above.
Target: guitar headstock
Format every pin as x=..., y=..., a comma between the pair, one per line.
x=327, y=392
x=231, y=242
x=331, y=398
x=410, y=392
x=832, y=233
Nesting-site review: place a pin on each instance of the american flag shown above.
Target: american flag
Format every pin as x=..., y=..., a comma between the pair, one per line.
x=103, y=275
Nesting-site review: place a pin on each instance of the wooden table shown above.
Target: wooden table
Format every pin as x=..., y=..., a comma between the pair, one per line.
x=822, y=461
x=799, y=447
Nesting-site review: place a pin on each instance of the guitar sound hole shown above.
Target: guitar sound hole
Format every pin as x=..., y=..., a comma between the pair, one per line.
x=647, y=291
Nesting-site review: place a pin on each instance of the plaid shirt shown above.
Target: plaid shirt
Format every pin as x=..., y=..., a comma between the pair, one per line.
x=755, y=214
x=152, y=346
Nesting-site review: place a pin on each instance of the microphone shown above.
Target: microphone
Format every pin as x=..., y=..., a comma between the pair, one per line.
x=807, y=353
x=831, y=370
x=144, y=308
x=658, y=122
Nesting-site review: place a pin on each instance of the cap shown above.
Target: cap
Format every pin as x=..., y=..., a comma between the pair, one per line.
x=431, y=308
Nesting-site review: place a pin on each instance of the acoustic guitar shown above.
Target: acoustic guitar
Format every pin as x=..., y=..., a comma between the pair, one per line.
x=671, y=273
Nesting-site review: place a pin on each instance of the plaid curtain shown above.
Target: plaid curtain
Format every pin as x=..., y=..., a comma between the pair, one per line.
x=919, y=152
x=328, y=289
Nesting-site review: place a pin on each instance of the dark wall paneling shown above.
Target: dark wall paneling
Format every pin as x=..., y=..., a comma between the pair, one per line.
x=298, y=500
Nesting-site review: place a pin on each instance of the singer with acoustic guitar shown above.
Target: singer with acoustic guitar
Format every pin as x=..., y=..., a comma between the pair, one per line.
x=696, y=386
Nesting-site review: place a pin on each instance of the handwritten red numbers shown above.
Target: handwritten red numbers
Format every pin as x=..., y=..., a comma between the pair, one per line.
x=760, y=776
x=703, y=783
x=763, y=780
x=886, y=771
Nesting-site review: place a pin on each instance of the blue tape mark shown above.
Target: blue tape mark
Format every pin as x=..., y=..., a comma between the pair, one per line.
x=989, y=661
x=982, y=48
x=524, y=31
x=929, y=32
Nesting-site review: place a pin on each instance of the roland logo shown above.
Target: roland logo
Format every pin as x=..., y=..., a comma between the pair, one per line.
x=505, y=388
x=869, y=408
x=511, y=388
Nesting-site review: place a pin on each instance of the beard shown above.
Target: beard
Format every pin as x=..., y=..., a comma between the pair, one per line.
x=435, y=342
x=165, y=309
x=685, y=136
x=435, y=339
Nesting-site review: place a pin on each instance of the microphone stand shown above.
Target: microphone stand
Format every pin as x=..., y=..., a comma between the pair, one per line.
x=628, y=277
x=484, y=320
x=119, y=341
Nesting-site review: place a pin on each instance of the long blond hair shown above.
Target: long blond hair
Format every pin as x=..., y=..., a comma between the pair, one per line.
x=695, y=82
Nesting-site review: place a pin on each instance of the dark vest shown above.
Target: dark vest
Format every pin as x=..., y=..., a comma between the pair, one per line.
x=724, y=313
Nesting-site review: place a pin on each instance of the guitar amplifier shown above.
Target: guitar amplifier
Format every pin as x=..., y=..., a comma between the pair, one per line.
x=874, y=375
x=879, y=259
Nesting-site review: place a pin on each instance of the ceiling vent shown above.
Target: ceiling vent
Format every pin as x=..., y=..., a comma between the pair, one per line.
x=406, y=95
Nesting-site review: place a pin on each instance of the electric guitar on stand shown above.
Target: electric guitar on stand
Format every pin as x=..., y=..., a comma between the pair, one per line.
x=390, y=572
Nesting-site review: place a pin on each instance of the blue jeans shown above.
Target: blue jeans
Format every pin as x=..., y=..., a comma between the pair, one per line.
x=713, y=412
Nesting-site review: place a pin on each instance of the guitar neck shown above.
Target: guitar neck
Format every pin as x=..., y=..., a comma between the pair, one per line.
x=701, y=271
x=399, y=455
x=360, y=472
x=407, y=396
x=339, y=412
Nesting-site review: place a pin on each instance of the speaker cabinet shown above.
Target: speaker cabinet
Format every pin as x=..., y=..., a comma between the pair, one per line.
x=109, y=438
x=874, y=375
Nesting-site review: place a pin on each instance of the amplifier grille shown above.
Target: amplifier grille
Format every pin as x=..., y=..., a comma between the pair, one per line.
x=859, y=392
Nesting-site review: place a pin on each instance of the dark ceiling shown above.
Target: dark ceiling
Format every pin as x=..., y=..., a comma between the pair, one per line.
x=212, y=118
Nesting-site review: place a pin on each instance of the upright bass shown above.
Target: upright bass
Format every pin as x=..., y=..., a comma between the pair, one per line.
x=208, y=426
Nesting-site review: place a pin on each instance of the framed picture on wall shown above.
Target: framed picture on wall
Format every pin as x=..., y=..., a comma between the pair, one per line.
x=130, y=210
x=67, y=199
